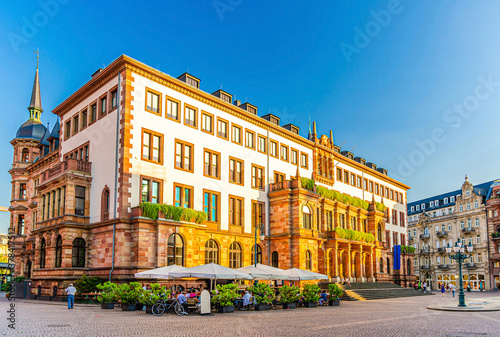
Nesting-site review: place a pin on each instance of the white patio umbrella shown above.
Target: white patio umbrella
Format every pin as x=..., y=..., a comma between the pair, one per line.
x=212, y=271
x=304, y=275
x=160, y=273
x=263, y=272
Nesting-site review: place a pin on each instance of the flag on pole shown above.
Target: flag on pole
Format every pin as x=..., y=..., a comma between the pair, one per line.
x=397, y=257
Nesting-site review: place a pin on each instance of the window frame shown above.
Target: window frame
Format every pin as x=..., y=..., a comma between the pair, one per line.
x=102, y=113
x=236, y=126
x=84, y=116
x=111, y=92
x=287, y=148
x=204, y=113
x=173, y=245
x=186, y=107
x=242, y=173
x=339, y=174
x=154, y=92
x=233, y=213
x=93, y=106
x=183, y=187
x=266, y=145
x=210, y=206
x=78, y=250
x=306, y=166
x=263, y=178
x=228, y=131
x=151, y=180
x=250, y=132
x=293, y=150
x=151, y=138
x=272, y=141
x=191, y=158
x=218, y=169
x=179, y=108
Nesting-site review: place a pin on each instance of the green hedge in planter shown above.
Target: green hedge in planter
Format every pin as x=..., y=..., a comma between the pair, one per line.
x=350, y=234
x=108, y=292
x=129, y=293
x=289, y=294
x=407, y=249
x=87, y=284
x=310, y=293
x=151, y=210
x=263, y=293
x=334, y=291
x=227, y=294
x=150, y=297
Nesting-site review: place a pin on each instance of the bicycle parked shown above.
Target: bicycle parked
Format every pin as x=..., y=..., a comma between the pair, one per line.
x=163, y=306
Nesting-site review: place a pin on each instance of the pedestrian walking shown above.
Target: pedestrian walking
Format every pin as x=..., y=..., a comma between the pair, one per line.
x=425, y=287
x=480, y=285
x=71, y=291
x=443, y=290
x=348, y=282
x=453, y=288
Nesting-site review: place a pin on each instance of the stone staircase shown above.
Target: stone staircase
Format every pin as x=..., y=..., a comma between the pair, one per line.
x=362, y=291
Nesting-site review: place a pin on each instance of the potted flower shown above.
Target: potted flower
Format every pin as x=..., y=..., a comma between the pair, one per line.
x=150, y=297
x=289, y=296
x=335, y=293
x=263, y=294
x=128, y=295
x=224, y=297
x=108, y=295
x=310, y=294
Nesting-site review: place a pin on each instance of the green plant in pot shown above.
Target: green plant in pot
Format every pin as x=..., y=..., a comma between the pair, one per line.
x=335, y=293
x=263, y=294
x=149, y=297
x=310, y=294
x=224, y=297
x=108, y=295
x=289, y=296
x=128, y=295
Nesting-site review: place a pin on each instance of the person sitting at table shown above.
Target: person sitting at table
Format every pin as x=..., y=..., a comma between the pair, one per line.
x=323, y=297
x=246, y=300
x=183, y=301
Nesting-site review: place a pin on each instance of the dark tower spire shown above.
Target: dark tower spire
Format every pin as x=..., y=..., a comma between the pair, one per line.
x=35, y=107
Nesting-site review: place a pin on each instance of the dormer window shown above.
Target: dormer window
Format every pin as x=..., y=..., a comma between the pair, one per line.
x=190, y=79
x=452, y=199
x=445, y=200
x=423, y=206
x=25, y=155
x=432, y=204
x=467, y=193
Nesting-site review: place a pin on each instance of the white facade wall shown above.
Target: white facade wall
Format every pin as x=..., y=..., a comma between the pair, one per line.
x=101, y=136
x=201, y=140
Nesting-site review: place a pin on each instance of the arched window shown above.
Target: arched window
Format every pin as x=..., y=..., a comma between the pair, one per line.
x=28, y=269
x=235, y=255
x=379, y=233
x=259, y=254
x=426, y=230
x=468, y=205
x=105, y=204
x=469, y=223
x=306, y=217
x=78, y=256
x=211, y=252
x=308, y=260
x=477, y=222
x=175, y=250
x=388, y=266
x=42, y=253
x=275, y=259
x=475, y=204
x=381, y=262
x=58, y=251
x=25, y=155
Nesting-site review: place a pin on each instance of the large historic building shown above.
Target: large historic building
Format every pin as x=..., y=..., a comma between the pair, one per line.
x=134, y=136
x=493, y=212
x=439, y=221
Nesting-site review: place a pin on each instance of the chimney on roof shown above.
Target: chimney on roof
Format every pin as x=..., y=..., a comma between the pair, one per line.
x=96, y=72
x=237, y=102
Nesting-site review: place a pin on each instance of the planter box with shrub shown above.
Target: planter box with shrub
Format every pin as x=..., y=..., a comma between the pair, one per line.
x=226, y=309
x=107, y=305
x=333, y=303
x=128, y=307
x=261, y=307
x=310, y=304
x=289, y=305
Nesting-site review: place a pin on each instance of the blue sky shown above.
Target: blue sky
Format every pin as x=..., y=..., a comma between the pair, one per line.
x=414, y=86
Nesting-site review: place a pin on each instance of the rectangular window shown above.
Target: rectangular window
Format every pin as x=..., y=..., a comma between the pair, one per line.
x=358, y=181
x=294, y=157
x=183, y=196
x=79, y=200
x=386, y=192
x=67, y=129
x=22, y=191
x=236, y=134
x=114, y=99
x=190, y=114
x=304, y=162
x=173, y=108
x=212, y=164
x=236, y=171
x=236, y=211
x=353, y=179
x=370, y=187
x=273, y=149
x=103, y=106
x=76, y=125
x=84, y=119
x=152, y=146
x=250, y=139
x=284, y=152
x=211, y=205
x=391, y=195
x=365, y=184
x=153, y=101
x=258, y=179
x=93, y=113
x=376, y=189
x=346, y=177
x=151, y=190
x=339, y=174
x=184, y=155
x=262, y=144
x=207, y=122
x=257, y=213
x=222, y=131
x=279, y=177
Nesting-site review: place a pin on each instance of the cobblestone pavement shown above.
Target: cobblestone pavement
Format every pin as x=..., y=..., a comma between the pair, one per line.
x=390, y=317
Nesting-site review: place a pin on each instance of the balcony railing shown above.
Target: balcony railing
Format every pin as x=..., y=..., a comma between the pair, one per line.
x=444, y=266
x=471, y=265
x=441, y=250
x=425, y=251
x=70, y=164
x=442, y=234
x=468, y=230
x=425, y=236
x=426, y=267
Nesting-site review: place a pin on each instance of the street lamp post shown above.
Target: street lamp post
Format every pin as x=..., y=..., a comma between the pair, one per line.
x=260, y=228
x=460, y=256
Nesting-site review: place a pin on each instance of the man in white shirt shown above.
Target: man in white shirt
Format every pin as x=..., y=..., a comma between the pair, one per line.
x=71, y=291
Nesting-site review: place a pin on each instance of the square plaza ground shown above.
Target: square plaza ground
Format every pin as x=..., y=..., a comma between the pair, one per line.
x=391, y=317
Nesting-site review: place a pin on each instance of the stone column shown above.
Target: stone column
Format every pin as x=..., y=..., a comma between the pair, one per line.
x=348, y=260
